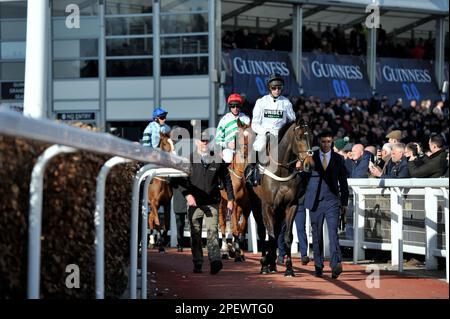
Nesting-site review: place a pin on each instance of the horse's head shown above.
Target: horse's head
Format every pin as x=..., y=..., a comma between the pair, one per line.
x=166, y=143
x=242, y=140
x=301, y=145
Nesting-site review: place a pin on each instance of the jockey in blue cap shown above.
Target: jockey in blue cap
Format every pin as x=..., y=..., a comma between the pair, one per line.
x=151, y=133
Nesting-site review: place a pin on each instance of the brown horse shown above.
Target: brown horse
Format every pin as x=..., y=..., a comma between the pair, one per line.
x=280, y=188
x=242, y=206
x=160, y=194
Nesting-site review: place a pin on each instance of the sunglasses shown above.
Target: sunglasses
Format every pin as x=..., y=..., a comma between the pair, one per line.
x=276, y=87
x=232, y=106
x=162, y=117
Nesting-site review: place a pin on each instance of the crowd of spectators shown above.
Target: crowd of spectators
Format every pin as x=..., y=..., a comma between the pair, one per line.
x=333, y=40
x=382, y=140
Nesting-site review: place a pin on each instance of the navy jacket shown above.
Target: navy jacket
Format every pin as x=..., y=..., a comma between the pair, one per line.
x=398, y=170
x=335, y=176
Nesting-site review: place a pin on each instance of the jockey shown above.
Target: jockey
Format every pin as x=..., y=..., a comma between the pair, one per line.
x=151, y=133
x=270, y=114
x=228, y=127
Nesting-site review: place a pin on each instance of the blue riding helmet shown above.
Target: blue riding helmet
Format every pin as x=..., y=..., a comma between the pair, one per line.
x=158, y=112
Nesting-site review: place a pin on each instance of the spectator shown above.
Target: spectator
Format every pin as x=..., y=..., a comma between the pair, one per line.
x=357, y=166
x=339, y=145
x=399, y=169
x=394, y=137
x=435, y=165
x=413, y=149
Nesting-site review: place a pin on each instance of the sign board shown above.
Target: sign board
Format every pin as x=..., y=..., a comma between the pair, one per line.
x=334, y=76
x=247, y=72
x=76, y=116
x=406, y=79
x=12, y=90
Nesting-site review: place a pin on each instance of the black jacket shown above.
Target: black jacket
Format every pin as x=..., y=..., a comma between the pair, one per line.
x=434, y=166
x=203, y=183
x=335, y=176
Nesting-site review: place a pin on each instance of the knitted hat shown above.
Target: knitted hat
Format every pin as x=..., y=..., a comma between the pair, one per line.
x=340, y=143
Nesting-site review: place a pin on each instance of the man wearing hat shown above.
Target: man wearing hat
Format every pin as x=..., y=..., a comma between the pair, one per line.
x=158, y=125
x=201, y=190
x=394, y=137
x=339, y=145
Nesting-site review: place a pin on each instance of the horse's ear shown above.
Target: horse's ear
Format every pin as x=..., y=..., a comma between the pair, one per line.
x=300, y=121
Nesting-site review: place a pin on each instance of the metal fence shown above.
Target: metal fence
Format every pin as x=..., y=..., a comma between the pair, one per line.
x=68, y=139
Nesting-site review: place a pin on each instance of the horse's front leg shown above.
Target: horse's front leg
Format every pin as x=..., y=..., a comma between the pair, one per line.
x=268, y=261
x=288, y=238
x=223, y=225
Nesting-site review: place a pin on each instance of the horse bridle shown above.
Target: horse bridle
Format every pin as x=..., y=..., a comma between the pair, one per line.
x=309, y=152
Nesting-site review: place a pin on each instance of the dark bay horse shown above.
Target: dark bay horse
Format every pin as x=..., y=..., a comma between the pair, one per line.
x=242, y=207
x=280, y=188
x=160, y=194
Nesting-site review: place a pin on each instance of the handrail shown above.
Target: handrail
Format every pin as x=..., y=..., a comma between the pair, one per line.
x=15, y=124
x=399, y=182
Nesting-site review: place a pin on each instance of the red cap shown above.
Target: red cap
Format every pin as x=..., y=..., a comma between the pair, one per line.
x=235, y=98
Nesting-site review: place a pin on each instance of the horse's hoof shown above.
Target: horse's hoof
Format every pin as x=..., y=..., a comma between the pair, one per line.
x=289, y=273
x=225, y=256
x=239, y=259
x=264, y=270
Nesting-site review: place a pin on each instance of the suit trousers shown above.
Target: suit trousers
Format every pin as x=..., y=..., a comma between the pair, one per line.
x=300, y=223
x=211, y=215
x=329, y=210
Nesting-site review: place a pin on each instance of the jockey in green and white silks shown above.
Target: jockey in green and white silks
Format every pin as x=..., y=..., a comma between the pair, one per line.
x=228, y=127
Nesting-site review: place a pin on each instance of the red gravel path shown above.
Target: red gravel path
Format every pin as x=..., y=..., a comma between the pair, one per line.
x=170, y=276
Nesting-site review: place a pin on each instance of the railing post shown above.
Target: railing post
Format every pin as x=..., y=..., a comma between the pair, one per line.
x=134, y=226
x=35, y=217
x=446, y=199
x=252, y=233
x=99, y=222
x=430, y=228
x=396, y=228
x=358, y=224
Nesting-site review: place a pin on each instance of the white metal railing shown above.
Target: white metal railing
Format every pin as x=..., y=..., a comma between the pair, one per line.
x=396, y=190
x=70, y=139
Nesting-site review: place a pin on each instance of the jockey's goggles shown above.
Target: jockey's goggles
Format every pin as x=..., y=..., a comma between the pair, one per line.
x=162, y=117
x=233, y=105
x=276, y=87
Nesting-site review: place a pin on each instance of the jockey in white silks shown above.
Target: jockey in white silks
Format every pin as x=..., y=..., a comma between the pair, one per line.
x=270, y=114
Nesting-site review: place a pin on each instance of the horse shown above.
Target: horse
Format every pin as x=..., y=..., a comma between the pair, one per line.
x=160, y=194
x=242, y=206
x=280, y=188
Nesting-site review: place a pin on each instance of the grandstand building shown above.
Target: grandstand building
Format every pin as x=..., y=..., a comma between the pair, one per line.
x=110, y=62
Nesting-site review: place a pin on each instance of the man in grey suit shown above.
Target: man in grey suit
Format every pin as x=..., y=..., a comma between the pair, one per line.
x=327, y=199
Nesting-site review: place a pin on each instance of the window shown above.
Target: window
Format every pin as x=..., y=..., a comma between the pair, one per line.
x=129, y=25
x=184, y=5
x=87, y=7
x=75, y=69
x=184, y=66
x=129, y=67
x=12, y=71
x=128, y=7
x=13, y=10
x=184, y=44
x=133, y=46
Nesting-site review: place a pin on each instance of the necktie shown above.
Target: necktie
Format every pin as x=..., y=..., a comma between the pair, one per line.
x=324, y=162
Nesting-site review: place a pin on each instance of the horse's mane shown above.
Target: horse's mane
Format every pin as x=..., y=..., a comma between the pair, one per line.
x=283, y=130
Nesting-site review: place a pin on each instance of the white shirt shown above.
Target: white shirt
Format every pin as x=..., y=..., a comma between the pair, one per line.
x=328, y=157
x=270, y=115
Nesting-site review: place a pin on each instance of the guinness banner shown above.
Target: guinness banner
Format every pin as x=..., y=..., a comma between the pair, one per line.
x=334, y=76
x=407, y=79
x=247, y=72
